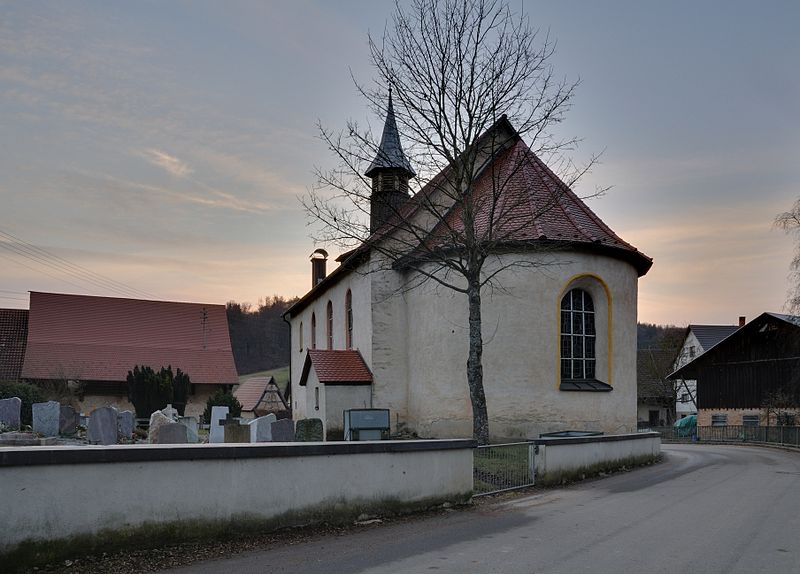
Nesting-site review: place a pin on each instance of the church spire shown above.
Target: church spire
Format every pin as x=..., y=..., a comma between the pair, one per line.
x=390, y=153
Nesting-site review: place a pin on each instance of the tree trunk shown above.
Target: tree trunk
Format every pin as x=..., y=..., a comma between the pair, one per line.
x=480, y=418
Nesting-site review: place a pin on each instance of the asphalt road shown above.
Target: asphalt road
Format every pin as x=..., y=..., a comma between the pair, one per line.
x=706, y=509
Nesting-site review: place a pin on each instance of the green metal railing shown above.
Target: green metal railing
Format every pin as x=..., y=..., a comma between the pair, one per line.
x=780, y=435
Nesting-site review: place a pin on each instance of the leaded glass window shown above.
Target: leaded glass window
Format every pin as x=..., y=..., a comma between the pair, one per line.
x=578, y=336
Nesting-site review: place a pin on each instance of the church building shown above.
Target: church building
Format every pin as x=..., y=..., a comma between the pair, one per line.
x=559, y=335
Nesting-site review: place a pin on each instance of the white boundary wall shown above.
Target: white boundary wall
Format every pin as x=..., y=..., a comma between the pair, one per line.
x=50, y=493
x=567, y=458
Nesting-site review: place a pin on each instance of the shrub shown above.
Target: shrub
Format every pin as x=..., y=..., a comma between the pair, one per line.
x=28, y=393
x=222, y=399
x=180, y=391
x=148, y=390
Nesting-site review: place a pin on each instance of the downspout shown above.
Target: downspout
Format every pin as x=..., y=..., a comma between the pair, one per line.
x=289, y=386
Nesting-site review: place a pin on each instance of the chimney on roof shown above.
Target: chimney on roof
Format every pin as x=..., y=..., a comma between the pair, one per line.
x=742, y=320
x=319, y=261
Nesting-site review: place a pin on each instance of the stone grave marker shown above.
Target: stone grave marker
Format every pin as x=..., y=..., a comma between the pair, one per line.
x=170, y=412
x=172, y=433
x=217, y=432
x=46, y=417
x=283, y=430
x=235, y=431
x=191, y=428
x=126, y=422
x=103, y=426
x=157, y=420
x=309, y=430
x=10, y=410
x=68, y=420
x=261, y=428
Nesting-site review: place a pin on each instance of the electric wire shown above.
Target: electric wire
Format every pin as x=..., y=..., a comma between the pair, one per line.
x=40, y=256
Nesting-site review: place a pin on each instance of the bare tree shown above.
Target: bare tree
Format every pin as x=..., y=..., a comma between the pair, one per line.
x=789, y=221
x=460, y=74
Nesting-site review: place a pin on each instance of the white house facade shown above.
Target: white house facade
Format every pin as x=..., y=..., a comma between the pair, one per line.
x=559, y=336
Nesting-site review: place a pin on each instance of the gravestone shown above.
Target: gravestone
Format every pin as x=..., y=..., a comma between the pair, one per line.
x=103, y=426
x=217, y=432
x=10, y=413
x=191, y=428
x=172, y=433
x=157, y=420
x=46, y=417
x=309, y=430
x=283, y=430
x=126, y=422
x=261, y=428
x=68, y=420
x=170, y=412
x=235, y=431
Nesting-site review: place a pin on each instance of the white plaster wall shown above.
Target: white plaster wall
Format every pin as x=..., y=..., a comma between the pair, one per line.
x=312, y=410
x=554, y=459
x=194, y=408
x=521, y=354
x=339, y=398
x=57, y=501
x=682, y=409
x=359, y=284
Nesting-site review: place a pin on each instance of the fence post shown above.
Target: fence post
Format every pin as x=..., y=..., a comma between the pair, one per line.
x=532, y=461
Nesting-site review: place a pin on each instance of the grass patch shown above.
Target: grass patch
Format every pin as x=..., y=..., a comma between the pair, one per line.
x=500, y=467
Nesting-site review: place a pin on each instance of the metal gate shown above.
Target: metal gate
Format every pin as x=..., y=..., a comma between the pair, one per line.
x=501, y=467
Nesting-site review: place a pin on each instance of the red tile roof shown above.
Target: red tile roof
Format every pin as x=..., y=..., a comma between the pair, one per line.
x=534, y=207
x=102, y=338
x=13, y=334
x=336, y=367
x=251, y=392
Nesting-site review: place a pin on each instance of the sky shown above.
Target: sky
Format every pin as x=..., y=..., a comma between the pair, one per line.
x=160, y=148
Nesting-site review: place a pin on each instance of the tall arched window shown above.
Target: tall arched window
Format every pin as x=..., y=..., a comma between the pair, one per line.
x=578, y=336
x=330, y=325
x=313, y=331
x=348, y=317
x=301, y=336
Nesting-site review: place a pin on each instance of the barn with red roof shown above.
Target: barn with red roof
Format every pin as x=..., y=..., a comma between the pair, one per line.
x=559, y=328
x=92, y=342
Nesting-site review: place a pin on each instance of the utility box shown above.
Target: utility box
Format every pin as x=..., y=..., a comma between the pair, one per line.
x=366, y=424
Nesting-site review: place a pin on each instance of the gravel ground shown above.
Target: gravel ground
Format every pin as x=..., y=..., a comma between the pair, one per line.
x=155, y=559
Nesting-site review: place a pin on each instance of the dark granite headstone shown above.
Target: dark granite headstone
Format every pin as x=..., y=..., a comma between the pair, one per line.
x=68, y=420
x=308, y=430
x=172, y=433
x=103, y=426
x=10, y=412
x=46, y=417
x=283, y=431
x=235, y=431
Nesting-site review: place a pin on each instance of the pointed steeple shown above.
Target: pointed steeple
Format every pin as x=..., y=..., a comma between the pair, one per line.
x=390, y=153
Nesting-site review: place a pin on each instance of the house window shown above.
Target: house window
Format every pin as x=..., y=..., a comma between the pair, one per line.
x=316, y=398
x=719, y=420
x=691, y=352
x=330, y=325
x=301, y=336
x=786, y=419
x=348, y=314
x=685, y=398
x=750, y=420
x=313, y=331
x=578, y=336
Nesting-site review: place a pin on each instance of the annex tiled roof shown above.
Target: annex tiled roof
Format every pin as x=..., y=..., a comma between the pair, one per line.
x=13, y=335
x=710, y=335
x=336, y=367
x=652, y=368
x=102, y=338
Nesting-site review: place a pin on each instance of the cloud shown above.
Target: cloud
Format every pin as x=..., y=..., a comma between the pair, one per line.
x=167, y=162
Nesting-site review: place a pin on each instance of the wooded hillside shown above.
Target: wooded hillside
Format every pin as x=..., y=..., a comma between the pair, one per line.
x=260, y=338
